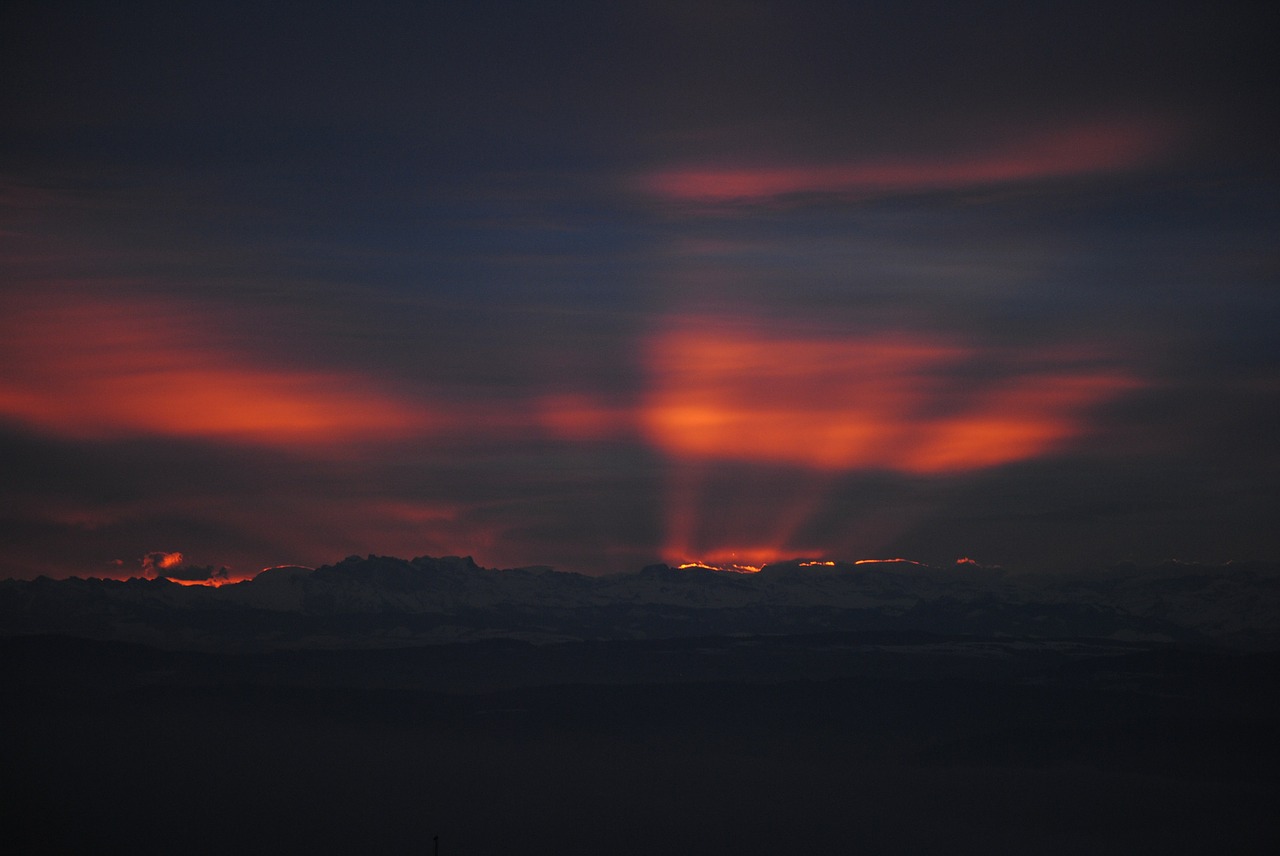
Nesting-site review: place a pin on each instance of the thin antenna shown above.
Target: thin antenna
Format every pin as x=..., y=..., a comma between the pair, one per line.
x=436, y=849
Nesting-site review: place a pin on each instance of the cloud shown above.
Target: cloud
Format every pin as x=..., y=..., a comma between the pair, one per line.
x=895, y=402
x=172, y=566
x=1070, y=150
x=156, y=563
x=93, y=368
x=575, y=416
x=760, y=425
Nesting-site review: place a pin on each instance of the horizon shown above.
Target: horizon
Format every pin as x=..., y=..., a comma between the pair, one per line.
x=209, y=577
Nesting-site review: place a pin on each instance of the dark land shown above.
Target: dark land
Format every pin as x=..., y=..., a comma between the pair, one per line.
x=806, y=741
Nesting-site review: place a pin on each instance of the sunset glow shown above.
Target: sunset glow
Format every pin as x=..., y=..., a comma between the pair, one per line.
x=579, y=417
x=738, y=559
x=732, y=568
x=1074, y=150
x=883, y=402
x=92, y=368
x=212, y=582
x=737, y=567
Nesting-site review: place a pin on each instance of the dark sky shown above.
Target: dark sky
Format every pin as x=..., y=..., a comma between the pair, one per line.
x=601, y=284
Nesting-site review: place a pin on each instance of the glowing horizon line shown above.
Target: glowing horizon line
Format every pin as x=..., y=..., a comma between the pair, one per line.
x=735, y=567
x=732, y=568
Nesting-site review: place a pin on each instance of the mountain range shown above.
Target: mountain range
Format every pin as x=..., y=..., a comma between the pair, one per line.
x=384, y=602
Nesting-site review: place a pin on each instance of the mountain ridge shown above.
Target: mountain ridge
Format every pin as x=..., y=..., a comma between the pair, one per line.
x=384, y=601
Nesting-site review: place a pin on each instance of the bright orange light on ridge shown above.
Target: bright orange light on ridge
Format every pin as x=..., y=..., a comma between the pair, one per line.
x=212, y=582
x=746, y=560
x=731, y=568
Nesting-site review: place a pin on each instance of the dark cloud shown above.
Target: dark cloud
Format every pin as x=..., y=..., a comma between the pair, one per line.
x=195, y=573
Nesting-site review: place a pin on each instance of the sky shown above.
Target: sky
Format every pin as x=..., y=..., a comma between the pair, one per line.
x=595, y=285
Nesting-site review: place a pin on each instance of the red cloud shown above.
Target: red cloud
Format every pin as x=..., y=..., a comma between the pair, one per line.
x=154, y=563
x=877, y=402
x=94, y=368
x=1072, y=150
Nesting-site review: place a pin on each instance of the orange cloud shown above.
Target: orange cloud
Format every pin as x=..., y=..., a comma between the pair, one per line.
x=93, y=368
x=804, y=409
x=153, y=563
x=876, y=402
x=1074, y=150
x=580, y=417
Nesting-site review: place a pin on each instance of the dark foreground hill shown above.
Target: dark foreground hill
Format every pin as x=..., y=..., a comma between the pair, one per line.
x=826, y=743
x=877, y=708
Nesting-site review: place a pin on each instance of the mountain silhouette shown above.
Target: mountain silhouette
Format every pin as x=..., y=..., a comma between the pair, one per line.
x=383, y=601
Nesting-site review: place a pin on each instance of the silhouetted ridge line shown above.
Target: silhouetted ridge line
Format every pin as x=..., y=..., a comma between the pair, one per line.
x=384, y=601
